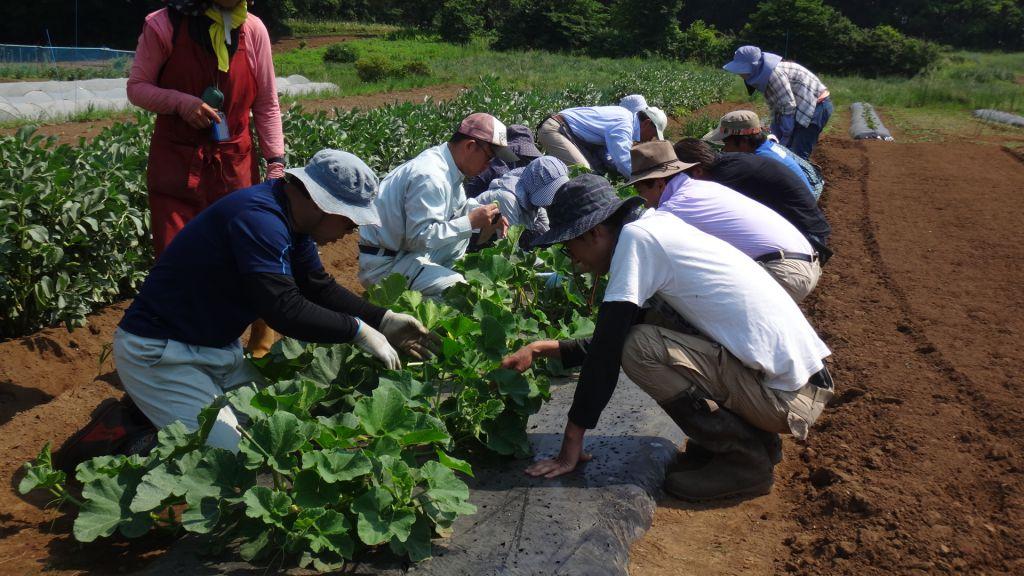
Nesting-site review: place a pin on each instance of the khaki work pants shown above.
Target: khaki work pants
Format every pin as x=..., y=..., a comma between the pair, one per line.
x=556, y=144
x=797, y=277
x=669, y=365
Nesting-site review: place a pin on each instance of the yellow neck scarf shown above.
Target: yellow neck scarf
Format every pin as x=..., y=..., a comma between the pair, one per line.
x=218, y=34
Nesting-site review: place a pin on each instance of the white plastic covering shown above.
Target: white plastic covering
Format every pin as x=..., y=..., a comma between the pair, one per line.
x=54, y=99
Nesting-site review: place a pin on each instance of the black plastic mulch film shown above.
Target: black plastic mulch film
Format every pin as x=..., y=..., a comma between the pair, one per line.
x=581, y=524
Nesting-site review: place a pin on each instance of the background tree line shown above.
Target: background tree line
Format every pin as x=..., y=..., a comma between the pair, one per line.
x=866, y=37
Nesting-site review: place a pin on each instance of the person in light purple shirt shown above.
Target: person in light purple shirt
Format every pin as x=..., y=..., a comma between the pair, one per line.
x=749, y=226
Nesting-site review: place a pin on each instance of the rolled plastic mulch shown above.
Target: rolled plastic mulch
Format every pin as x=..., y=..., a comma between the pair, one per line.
x=865, y=123
x=1000, y=117
x=581, y=524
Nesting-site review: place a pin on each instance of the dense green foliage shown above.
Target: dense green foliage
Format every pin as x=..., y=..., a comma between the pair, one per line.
x=979, y=24
x=350, y=455
x=74, y=233
x=824, y=40
x=73, y=225
x=340, y=53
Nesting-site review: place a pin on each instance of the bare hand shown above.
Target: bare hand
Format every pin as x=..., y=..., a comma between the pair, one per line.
x=500, y=227
x=520, y=360
x=201, y=116
x=481, y=216
x=572, y=454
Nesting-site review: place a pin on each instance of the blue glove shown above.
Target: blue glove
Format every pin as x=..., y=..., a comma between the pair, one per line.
x=783, y=127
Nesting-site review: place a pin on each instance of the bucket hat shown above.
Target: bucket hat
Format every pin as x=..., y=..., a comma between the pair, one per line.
x=579, y=205
x=520, y=140
x=735, y=123
x=655, y=159
x=342, y=184
x=745, y=60
x=539, y=181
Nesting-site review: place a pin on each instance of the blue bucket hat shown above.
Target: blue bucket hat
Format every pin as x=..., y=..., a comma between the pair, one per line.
x=754, y=62
x=520, y=141
x=342, y=184
x=745, y=60
x=581, y=204
x=539, y=181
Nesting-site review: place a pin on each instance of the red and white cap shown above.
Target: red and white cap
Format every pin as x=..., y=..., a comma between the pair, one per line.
x=486, y=128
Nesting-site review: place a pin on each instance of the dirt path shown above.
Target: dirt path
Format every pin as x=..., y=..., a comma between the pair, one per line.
x=916, y=467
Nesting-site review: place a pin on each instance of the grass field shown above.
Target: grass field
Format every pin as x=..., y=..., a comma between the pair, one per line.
x=961, y=80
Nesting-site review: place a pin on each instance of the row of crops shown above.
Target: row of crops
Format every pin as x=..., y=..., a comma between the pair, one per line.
x=74, y=219
x=338, y=457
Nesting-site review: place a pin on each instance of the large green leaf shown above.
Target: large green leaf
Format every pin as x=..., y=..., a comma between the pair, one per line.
x=311, y=491
x=106, y=507
x=270, y=506
x=275, y=440
x=384, y=413
x=336, y=466
x=378, y=521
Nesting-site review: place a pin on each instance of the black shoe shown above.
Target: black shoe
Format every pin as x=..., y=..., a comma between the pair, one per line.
x=743, y=456
x=117, y=427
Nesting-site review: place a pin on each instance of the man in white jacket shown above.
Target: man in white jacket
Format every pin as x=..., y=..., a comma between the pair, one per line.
x=425, y=219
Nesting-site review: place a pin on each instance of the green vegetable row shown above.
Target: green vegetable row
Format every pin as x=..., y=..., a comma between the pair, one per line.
x=338, y=454
x=74, y=229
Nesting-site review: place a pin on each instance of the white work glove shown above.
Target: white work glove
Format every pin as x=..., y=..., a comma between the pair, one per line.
x=375, y=344
x=409, y=335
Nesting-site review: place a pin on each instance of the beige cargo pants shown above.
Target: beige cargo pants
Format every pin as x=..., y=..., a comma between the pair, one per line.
x=668, y=365
x=556, y=144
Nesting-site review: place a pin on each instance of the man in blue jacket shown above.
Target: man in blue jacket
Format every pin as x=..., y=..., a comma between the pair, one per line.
x=253, y=254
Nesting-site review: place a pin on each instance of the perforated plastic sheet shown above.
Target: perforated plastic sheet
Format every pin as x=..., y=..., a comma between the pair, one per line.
x=580, y=524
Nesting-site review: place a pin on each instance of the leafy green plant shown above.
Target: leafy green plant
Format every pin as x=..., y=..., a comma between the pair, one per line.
x=339, y=455
x=340, y=53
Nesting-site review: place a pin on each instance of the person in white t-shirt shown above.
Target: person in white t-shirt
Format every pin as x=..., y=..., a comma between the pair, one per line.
x=746, y=368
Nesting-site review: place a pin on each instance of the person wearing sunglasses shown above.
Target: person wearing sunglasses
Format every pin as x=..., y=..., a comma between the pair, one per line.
x=426, y=220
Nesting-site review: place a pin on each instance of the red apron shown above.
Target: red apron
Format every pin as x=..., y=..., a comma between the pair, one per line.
x=188, y=171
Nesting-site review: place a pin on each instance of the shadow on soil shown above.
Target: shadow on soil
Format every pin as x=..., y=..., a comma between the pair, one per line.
x=14, y=399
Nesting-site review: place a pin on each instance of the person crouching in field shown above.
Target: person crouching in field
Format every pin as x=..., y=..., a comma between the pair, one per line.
x=752, y=370
x=253, y=254
x=426, y=219
x=740, y=131
x=747, y=225
x=599, y=137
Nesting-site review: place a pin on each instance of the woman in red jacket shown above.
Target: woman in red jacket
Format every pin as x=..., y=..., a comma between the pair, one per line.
x=203, y=66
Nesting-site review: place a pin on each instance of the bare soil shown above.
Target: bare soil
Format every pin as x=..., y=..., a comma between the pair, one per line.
x=914, y=469
x=916, y=466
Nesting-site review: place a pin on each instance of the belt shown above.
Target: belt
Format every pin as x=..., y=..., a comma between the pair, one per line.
x=783, y=255
x=377, y=251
